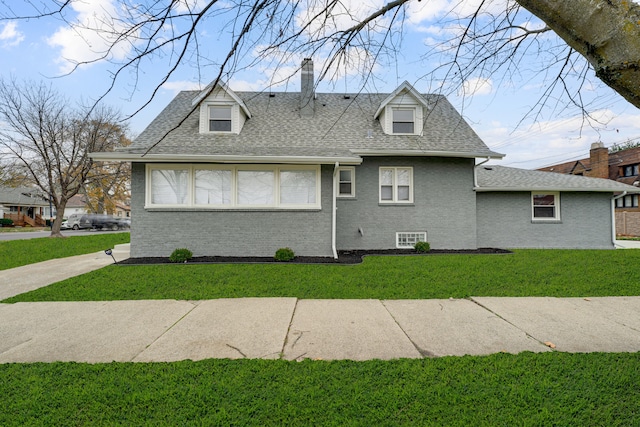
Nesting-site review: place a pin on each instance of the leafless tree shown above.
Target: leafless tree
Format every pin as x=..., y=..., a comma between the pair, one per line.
x=579, y=38
x=50, y=140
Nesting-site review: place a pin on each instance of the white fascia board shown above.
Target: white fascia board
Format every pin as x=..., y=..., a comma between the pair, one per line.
x=423, y=153
x=164, y=158
x=561, y=189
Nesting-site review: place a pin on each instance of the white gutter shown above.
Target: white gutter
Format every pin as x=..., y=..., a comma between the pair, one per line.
x=425, y=153
x=475, y=172
x=334, y=209
x=613, y=216
x=192, y=158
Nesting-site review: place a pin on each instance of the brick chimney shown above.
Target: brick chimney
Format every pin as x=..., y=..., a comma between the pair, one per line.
x=599, y=158
x=307, y=93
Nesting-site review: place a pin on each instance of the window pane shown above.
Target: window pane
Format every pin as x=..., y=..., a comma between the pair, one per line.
x=403, y=115
x=255, y=187
x=169, y=187
x=345, y=176
x=218, y=113
x=386, y=176
x=345, y=188
x=544, y=200
x=401, y=127
x=619, y=203
x=213, y=187
x=403, y=192
x=298, y=187
x=386, y=192
x=220, y=125
x=404, y=176
x=544, y=212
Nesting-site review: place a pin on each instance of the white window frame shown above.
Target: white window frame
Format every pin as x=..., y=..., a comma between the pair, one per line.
x=209, y=119
x=191, y=189
x=414, y=236
x=351, y=169
x=413, y=113
x=556, y=206
x=394, y=199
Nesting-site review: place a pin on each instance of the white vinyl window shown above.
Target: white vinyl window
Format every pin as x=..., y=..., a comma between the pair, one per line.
x=545, y=206
x=403, y=120
x=346, y=182
x=220, y=118
x=229, y=186
x=396, y=185
x=407, y=240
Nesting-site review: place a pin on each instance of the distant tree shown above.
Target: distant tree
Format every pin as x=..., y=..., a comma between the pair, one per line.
x=50, y=139
x=615, y=148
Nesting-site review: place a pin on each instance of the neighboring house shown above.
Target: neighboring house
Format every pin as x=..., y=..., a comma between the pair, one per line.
x=123, y=210
x=621, y=166
x=76, y=205
x=24, y=206
x=245, y=173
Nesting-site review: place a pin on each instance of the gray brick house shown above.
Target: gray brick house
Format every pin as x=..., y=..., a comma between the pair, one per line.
x=245, y=173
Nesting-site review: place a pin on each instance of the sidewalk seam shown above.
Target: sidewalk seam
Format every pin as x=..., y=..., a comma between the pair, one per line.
x=286, y=337
x=423, y=352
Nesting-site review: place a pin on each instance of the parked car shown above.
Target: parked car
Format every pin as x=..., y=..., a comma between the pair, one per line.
x=78, y=221
x=65, y=225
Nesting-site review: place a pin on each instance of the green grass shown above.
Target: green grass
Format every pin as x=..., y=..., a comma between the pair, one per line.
x=15, y=253
x=560, y=273
x=510, y=390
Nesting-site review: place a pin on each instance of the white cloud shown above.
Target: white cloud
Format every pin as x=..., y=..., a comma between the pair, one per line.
x=476, y=86
x=92, y=37
x=180, y=85
x=10, y=36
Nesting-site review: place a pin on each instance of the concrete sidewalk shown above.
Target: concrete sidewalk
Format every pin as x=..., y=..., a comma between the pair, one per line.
x=292, y=329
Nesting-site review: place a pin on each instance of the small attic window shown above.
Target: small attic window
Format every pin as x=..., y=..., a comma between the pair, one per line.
x=403, y=120
x=220, y=118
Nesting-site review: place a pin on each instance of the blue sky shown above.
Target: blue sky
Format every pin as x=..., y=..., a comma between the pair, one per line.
x=496, y=107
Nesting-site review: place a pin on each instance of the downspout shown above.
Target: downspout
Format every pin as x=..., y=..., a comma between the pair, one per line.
x=613, y=216
x=334, y=209
x=475, y=172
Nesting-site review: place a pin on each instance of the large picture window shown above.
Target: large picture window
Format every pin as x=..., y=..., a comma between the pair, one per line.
x=396, y=185
x=228, y=186
x=546, y=206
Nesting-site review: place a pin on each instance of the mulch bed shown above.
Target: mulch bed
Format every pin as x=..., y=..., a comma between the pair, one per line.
x=344, y=257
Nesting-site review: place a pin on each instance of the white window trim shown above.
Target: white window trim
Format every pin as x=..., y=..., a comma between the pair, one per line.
x=353, y=182
x=421, y=236
x=395, y=185
x=411, y=108
x=233, y=108
x=556, y=205
x=191, y=168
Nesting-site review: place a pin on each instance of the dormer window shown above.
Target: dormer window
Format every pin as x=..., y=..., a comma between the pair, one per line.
x=403, y=120
x=220, y=118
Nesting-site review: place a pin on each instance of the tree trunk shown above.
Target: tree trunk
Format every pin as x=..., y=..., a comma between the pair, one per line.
x=606, y=32
x=55, y=226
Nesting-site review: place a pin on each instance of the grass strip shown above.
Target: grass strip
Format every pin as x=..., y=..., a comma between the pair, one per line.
x=16, y=253
x=556, y=273
x=502, y=389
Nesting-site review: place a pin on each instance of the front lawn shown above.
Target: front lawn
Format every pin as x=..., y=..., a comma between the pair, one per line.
x=557, y=389
x=16, y=253
x=559, y=273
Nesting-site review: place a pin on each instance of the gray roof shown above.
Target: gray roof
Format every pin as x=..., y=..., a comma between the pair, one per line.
x=343, y=127
x=501, y=178
x=22, y=196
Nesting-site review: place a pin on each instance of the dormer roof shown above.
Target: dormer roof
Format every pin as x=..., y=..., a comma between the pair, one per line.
x=202, y=95
x=404, y=87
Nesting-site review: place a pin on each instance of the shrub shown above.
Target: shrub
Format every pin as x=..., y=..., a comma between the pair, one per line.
x=284, y=254
x=6, y=222
x=422, y=247
x=180, y=255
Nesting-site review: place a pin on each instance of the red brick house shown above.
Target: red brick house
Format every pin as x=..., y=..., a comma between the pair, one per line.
x=621, y=166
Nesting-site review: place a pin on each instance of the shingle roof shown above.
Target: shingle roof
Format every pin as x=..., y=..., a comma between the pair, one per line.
x=501, y=178
x=343, y=126
x=22, y=196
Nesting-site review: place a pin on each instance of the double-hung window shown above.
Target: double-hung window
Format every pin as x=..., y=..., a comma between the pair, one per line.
x=545, y=206
x=403, y=120
x=233, y=186
x=346, y=182
x=220, y=118
x=396, y=185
